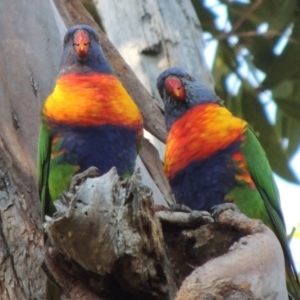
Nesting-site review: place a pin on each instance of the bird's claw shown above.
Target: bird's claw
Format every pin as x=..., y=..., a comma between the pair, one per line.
x=185, y=219
x=218, y=209
x=178, y=207
x=203, y=217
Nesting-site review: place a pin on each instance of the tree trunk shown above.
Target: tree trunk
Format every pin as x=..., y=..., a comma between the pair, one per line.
x=155, y=249
x=30, y=48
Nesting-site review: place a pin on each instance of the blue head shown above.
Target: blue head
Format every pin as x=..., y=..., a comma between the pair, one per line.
x=181, y=92
x=82, y=52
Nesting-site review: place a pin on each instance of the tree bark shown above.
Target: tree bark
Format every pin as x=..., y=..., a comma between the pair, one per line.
x=253, y=267
x=27, y=69
x=107, y=236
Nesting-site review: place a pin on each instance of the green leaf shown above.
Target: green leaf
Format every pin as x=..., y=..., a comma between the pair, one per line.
x=286, y=65
x=288, y=128
x=287, y=97
x=293, y=137
x=205, y=16
x=290, y=107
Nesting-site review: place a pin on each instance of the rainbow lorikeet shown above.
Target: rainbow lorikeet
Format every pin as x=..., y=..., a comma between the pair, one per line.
x=213, y=157
x=88, y=120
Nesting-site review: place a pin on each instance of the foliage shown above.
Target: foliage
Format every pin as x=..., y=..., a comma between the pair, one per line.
x=248, y=51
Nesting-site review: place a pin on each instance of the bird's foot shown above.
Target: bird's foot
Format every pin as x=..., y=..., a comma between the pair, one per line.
x=184, y=219
x=178, y=207
x=91, y=172
x=218, y=209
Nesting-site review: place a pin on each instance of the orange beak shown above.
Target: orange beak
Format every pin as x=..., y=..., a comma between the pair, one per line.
x=81, y=43
x=175, y=88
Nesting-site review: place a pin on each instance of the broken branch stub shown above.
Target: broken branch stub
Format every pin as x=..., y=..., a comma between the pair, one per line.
x=108, y=227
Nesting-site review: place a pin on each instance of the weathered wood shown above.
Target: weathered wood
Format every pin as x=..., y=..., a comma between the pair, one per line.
x=253, y=268
x=109, y=228
x=107, y=237
x=148, y=178
x=28, y=36
x=152, y=162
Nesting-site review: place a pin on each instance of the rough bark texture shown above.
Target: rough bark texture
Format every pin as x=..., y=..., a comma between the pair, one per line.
x=240, y=274
x=107, y=236
x=109, y=228
x=26, y=76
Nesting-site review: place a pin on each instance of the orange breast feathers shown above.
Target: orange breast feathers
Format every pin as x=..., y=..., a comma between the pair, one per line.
x=200, y=133
x=91, y=99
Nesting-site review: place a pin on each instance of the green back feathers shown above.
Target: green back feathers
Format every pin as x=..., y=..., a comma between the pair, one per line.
x=50, y=169
x=43, y=162
x=261, y=171
x=262, y=176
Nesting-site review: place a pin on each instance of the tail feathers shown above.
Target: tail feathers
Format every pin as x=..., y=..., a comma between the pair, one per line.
x=293, y=284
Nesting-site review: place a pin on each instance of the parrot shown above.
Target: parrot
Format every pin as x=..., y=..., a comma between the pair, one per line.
x=89, y=119
x=213, y=159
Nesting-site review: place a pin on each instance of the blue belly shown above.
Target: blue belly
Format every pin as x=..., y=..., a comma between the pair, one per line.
x=102, y=146
x=204, y=183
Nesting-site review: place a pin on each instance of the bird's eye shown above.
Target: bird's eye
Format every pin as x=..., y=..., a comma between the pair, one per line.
x=188, y=77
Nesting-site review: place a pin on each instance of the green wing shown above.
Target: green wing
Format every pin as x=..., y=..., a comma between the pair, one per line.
x=43, y=163
x=54, y=173
x=43, y=166
x=262, y=176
